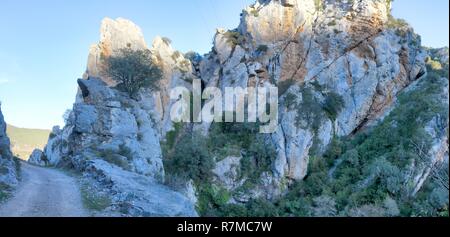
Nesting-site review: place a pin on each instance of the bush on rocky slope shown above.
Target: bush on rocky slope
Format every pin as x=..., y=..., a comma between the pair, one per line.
x=133, y=70
x=363, y=175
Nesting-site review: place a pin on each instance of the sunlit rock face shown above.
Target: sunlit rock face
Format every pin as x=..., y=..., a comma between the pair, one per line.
x=114, y=35
x=311, y=50
x=344, y=47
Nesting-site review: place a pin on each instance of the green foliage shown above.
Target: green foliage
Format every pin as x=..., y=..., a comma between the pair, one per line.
x=319, y=5
x=433, y=65
x=258, y=158
x=232, y=137
x=3, y=170
x=112, y=157
x=254, y=12
x=94, y=200
x=372, y=161
x=290, y=100
x=226, y=139
x=211, y=198
x=190, y=159
x=262, y=48
x=333, y=105
x=309, y=111
x=364, y=172
x=133, y=70
x=253, y=208
x=51, y=135
x=176, y=55
x=172, y=135
x=284, y=86
x=392, y=139
x=234, y=38
x=333, y=151
x=5, y=192
x=394, y=23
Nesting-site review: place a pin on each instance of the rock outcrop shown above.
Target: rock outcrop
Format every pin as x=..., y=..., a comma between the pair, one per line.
x=339, y=67
x=8, y=170
x=338, y=47
x=38, y=157
x=347, y=51
x=114, y=139
x=114, y=35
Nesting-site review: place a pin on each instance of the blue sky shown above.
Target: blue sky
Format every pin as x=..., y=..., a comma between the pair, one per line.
x=44, y=44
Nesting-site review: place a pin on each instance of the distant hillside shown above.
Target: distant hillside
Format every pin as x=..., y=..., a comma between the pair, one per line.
x=24, y=140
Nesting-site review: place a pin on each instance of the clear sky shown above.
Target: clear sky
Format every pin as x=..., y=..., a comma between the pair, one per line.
x=44, y=44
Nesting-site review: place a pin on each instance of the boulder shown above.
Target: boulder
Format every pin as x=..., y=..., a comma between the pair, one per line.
x=138, y=195
x=37, y=157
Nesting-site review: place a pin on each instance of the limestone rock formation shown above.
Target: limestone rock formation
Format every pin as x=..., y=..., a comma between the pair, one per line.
x=341, y=47
x=227, y=171
x=8, y=171
x=350, y=55
x=107, y=125
x=114, y=35
x=37, y=157
x=340, y=67
x=138, y=195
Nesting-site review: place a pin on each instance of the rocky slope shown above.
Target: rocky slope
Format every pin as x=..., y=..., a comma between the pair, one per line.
x=340, y=67
x=8, y=170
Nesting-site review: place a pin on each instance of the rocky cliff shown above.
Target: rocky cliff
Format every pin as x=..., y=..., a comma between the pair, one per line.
x=342, y=69
x=113, y=139
x=8, y=170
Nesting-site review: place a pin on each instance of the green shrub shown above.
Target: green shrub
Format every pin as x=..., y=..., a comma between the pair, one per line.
x=319, y=5
x=332, y=23
x=433, y=65
x=309, y=112
x=94, y=200
x=234, y=38
x=254, y=12
x=258, y=158
x=125, y=152
x=211, y=198
x=3, y=170
x=284, y=86
x=172, y=135
x=176, y=55
x=5, y=192
x=262, y=48
x=394, y=23
x=191, y=159
x=333, y=105
x=290, y=100
x=133, y=70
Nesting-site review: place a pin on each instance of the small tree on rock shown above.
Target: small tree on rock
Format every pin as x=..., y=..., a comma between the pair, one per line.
x=133, y=70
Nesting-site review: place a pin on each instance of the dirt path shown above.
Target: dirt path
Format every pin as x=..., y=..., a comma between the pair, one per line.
x=44, y=193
